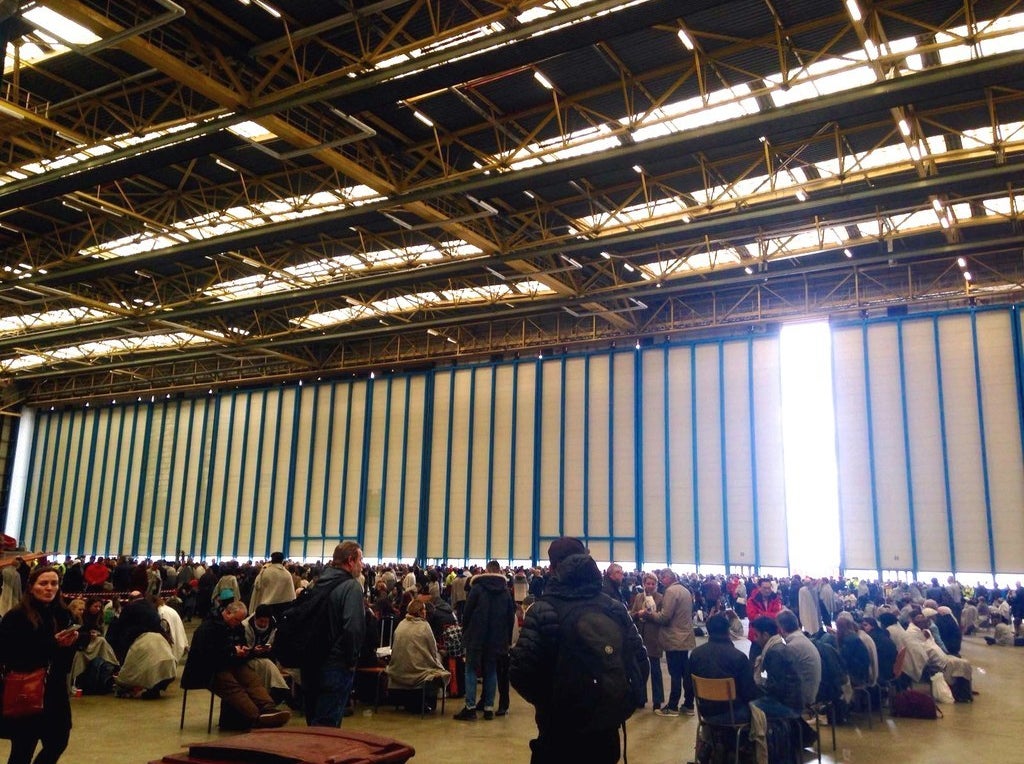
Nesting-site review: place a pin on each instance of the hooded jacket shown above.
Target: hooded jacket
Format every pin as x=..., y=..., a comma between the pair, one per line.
x=534, y=656
x=488, y=617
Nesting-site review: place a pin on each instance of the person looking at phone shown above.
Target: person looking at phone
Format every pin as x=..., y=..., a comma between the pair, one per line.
x=34, y=635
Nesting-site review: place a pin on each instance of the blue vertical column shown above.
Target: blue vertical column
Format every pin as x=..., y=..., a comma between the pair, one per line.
x=638, y=455
x=385, y=458
x=512, y=461
x=364, y=468
x=694, y=455
x=243, y=464
x=310, y=460
x=404, y=469
x=561, y=450
x=100, y=505
x=945, y=445
x=611, y=454
x=158, y=463
x=446, y=529
x=468, y=509
x=538, y=412
x=752, y=416
x=89, y=503
x=871, y=448
x=586, y=448
x=258, y=483
x=983, y=444
x=225, y=472
x=723, y=454
x=906, y=446
x=426, y=465
x=345, y=458
x=490, y=464
x=77, y=508
x=211, y=471
x=272, y=498
x=666, y=438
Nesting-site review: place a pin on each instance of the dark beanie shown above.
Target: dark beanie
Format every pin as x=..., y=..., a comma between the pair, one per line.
x=563, y=547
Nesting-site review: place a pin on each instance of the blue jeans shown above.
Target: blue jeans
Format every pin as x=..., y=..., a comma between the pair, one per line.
x=326, y=695
x=680, y=682
x=490, y=672
x=657, y=683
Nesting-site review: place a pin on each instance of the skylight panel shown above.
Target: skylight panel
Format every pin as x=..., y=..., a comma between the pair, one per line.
x=102, y=348
x=719, y=106
x=16, y=324
x=830, y=75
x=411, y=302
x=48, y=20
x=252, y=131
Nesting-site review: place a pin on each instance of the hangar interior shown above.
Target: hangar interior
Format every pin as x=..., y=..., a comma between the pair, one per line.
x=455, y=278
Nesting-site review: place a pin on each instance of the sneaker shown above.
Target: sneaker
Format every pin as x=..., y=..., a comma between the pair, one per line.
x=666, y=711
x=488, y=716
x=687, y=710
x=466, y=715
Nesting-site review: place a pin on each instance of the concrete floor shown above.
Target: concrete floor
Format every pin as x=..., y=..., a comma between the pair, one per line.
x=108, y=730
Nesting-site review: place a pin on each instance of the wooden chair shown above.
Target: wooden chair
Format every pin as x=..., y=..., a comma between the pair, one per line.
x=722, y=690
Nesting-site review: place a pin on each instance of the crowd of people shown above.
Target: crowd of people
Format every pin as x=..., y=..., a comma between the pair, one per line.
x=116, y=624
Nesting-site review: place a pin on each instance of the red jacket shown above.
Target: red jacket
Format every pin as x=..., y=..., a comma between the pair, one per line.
x=756, y=606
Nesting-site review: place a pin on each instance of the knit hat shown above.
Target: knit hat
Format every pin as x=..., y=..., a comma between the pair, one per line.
x=226, y=594
x=563, y=547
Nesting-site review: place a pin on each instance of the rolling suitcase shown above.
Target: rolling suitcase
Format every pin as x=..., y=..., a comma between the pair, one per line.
x=295, y=745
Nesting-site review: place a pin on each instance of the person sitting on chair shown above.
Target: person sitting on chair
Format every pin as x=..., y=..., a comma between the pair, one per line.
x=415, y=660
x=219, y=661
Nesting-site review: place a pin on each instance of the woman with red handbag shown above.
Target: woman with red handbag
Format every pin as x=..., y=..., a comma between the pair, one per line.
x=34, y=638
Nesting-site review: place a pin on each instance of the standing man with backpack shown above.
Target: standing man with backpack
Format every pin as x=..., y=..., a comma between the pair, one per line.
x=327, y=672
x=580, y=661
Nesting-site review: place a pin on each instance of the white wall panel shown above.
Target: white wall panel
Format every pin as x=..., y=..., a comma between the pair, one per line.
x=890, y=457
x=440, y=464
x=575, y=500
x=853, y=453
x=501, y=471
x=963, y=443
x=600, y=474
x=655, y=455
x=710, y=498
x=680, y=459
x=1002, y=438
x=622, y=512
x=526, y=425
x=457, y=542
x=927, y=450
x=773, y=539
x=550, y=447
x=738, y=445
x=478, y=510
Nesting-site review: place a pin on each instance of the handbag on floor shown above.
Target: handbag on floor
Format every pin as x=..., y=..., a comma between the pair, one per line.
x=912, y=704
x=23, y=693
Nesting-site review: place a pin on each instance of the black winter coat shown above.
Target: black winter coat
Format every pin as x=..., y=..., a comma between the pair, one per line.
x=488, y=617
x=534, y=656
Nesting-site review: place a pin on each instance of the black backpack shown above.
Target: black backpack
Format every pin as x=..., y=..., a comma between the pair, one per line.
x=301, y=633
x=598, y=682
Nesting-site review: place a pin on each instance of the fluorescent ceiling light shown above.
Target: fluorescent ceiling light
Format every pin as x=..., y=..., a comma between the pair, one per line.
x=904, y=128
x=685, y=39
x=854, y=9
x=422, y=118
x=543, y=80
x=268, y=8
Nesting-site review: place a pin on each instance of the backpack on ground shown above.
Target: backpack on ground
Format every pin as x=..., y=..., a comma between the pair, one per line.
x=598, y=682
x=97, y=678
x=912, y=704
x=301, y=628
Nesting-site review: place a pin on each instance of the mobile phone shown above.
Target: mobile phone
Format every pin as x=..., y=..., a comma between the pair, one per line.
x=73, y=627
